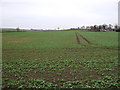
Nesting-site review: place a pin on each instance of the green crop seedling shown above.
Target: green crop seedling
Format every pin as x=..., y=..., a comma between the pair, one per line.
x=54, y=59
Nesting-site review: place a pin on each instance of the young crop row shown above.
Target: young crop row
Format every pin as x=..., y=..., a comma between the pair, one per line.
x=53, y=59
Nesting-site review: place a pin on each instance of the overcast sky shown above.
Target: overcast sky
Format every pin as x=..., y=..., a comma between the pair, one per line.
x=57, y=13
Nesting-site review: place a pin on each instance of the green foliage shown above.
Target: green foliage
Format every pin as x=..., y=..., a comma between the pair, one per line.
x=53, y=59
x=39, y=83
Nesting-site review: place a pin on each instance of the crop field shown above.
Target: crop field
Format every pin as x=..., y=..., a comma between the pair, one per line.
x=60, y=59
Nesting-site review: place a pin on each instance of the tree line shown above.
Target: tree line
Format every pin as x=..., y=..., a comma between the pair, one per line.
x=103, y=27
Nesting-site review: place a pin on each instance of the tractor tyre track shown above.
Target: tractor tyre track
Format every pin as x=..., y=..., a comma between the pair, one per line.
x=79, y=37
x=85, y=39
